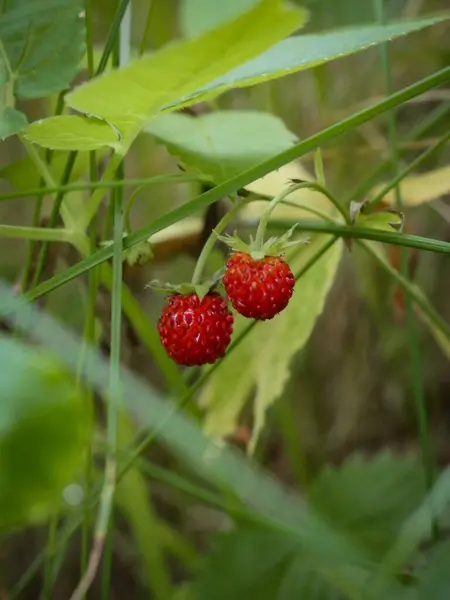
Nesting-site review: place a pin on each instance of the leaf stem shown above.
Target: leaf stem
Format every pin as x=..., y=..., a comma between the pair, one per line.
x=96, y=199
x=39, y=234
x=309, y=185
x=92, y=185
x=211, y=241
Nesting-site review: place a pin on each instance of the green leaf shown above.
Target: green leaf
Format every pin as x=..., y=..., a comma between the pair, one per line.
x=257, y=563
x=198, y=16
x=73, y=132
x=434, y=582
x=304, y=52
x=245, y=564
x=370, y=498
x=11, y=121
x=363, y=215
x=42, y=44
x=42, y=433
x=224, y=143
x=129, y=97
x=420, y=188
x=267, y=351
x=300, y=581
x=419, y=525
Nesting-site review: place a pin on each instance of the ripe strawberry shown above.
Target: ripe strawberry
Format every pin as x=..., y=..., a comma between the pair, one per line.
x=258, y=289
x=195, y=331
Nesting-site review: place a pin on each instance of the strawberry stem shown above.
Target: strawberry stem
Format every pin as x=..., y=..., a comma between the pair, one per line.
x=209, y=245
x=311, y=185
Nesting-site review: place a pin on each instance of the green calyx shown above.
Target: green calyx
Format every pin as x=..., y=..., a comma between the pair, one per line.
x=185, y=289
x=258, y=249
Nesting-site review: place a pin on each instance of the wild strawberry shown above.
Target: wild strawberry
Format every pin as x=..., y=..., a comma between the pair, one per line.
x=258, y=281
x=258, y=289
x=194, y=330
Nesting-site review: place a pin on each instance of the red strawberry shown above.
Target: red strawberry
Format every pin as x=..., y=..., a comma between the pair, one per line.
x=258, y=289
x=195, y=331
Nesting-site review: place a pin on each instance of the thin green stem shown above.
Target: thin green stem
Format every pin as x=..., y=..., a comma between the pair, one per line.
x=89, y=337
x=97, y=197
x=112, y=36
x=309, y=185
x=53, y=215
x=38, y=205
x=129, y=206
x=375, y=235
x=115, y=394
x=39, y=234
x=211, y=241
x=104, y=526
x=148, y=20
x=50, y=551
x=81, y=187
x=411, y=329
x=411, y=292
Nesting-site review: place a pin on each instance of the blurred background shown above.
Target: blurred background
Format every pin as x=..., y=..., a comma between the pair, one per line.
x=351, y=386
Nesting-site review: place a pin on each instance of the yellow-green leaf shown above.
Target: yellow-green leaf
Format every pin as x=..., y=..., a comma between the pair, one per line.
x=306, y=51
x=289, y=332
x=73, y=132
x=262, y=360
x=419, y=189
x=129, y=97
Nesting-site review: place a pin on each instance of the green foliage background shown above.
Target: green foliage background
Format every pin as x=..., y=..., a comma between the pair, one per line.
x=312, y=461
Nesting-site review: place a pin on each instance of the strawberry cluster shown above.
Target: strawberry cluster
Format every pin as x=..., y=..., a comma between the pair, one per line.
x=196, y=324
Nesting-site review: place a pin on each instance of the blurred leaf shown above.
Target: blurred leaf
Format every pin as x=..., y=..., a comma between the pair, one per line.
x=224, y=143
x=434, y=583
x=23, y=175
x=418, y=189
x=130, y=96
x=370, y=498
x=42, y=433
x=11, y=121
x=245, y=565
x=254, y=564
x=304, y=52
x=198, y=16
x=419, y=525
x=262, y=359
x=42, y=44
x=300, y=581
x=73, y=132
